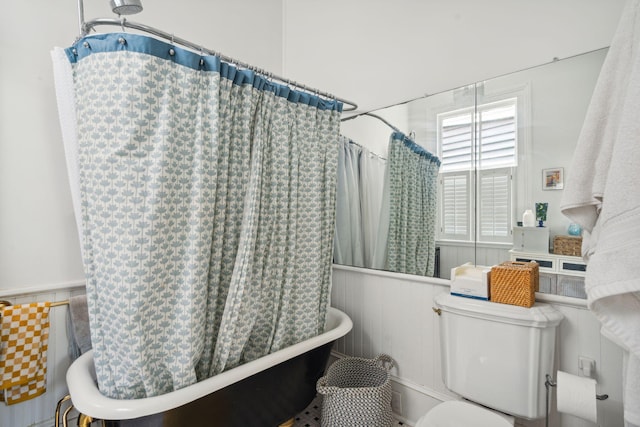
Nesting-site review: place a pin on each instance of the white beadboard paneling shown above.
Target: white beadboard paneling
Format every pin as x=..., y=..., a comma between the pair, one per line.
x=580, y=337
x=406, y=310
x=569, y=340
x=371, y=297
x=337, y=300
x=491, y=255
x=438, y=383
x=610, y=411
x=423, y=362
x=352, y=294
x=454, y=254
x=392, y=313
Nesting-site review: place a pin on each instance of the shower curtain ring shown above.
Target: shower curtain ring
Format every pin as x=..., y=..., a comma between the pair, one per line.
x=123, y=21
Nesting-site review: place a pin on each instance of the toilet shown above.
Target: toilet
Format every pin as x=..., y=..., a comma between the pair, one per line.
x=495, y=356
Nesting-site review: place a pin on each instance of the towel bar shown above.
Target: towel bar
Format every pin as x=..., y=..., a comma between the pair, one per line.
x=5, y=303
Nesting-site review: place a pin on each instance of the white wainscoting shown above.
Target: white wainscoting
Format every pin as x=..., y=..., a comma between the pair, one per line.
x=39, y=412
x=392, y=314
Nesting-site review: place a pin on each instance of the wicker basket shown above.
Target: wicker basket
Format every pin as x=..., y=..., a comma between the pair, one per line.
x=515, y=283
x=357, y=392
x=567, y=245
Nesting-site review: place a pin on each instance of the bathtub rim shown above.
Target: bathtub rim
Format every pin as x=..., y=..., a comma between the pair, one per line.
x=87, y=398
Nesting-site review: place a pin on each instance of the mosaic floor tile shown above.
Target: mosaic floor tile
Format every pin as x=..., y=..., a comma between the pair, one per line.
x=310, y=417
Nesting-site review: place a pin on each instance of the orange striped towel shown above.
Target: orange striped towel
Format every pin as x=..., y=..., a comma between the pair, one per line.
x=24, y=337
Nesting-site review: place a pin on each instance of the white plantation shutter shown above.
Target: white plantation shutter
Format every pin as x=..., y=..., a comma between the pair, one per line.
x=456, y=137
x=487, y=139
x=455, y=222
x=494, y=194
x=497, y=136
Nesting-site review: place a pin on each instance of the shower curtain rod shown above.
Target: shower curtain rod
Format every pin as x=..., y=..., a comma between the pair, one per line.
x=374, y=116
x=411, y=135
x=86, y=27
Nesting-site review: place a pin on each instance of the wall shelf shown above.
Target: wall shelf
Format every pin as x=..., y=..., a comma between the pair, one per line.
x=561, y=275
x=552, y=263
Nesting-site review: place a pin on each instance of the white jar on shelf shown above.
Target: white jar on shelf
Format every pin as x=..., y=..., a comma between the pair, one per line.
x=528, y=219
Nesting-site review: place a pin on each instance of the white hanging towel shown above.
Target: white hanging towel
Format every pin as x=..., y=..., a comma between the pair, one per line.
x=603, y=196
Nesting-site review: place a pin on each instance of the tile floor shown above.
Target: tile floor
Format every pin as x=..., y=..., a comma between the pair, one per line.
x=310, y=417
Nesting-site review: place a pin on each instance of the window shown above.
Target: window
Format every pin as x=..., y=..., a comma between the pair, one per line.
x=494, y=210
x=455, y=206
x=478, y=149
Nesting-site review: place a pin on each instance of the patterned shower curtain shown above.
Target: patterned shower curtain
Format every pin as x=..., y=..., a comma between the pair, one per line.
x=413, y=189
x=208, y=207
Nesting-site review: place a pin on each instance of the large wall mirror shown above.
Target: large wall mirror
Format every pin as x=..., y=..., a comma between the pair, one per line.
x=504, y=145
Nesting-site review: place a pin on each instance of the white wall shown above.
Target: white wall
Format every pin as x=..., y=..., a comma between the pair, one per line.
x=38, y=241
x=380, y=52
x=560, y=93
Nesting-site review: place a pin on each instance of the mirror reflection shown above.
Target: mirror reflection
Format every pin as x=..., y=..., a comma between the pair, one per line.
x=482, y=156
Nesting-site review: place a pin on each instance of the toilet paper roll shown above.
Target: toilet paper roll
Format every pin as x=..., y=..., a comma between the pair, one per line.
x=577, y=396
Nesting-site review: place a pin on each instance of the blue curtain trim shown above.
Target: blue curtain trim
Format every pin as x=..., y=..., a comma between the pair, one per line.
x=111, y=42
x=399, y=136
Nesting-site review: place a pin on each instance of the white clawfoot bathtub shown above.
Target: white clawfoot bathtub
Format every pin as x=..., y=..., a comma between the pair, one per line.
x=266, y=391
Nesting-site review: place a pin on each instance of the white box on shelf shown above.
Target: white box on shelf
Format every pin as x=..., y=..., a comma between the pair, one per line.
x=471, y=281
x=531, y=239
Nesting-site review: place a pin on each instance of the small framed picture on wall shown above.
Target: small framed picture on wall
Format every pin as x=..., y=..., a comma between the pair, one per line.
x=553, y=179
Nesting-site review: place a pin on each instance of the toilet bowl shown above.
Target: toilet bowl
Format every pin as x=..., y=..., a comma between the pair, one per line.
x=462, y=414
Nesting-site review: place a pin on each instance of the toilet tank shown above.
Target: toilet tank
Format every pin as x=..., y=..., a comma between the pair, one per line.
x=498, y=354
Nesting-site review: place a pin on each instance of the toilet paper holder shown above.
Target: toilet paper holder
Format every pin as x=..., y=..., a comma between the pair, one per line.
x=550, y=383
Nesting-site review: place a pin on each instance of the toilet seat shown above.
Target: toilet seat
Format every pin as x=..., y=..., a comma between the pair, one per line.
x=461, y=414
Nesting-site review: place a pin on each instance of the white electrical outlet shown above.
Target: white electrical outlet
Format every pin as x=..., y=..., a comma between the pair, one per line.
x=396, y=403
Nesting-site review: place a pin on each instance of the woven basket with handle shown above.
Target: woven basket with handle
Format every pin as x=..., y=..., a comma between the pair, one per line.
x=357, y=392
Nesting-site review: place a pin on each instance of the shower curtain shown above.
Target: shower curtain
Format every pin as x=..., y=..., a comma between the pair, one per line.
x=348, y=241
x=207, y=199
x=375, y=218
x=360, y=238
x=413, y=174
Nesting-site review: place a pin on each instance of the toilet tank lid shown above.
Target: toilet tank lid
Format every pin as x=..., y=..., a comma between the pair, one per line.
x=541, y=315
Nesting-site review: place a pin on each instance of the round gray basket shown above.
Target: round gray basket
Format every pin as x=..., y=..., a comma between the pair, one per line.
x=357, y=392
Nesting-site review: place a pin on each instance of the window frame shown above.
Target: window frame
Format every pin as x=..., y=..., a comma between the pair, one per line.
x=519, y=97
